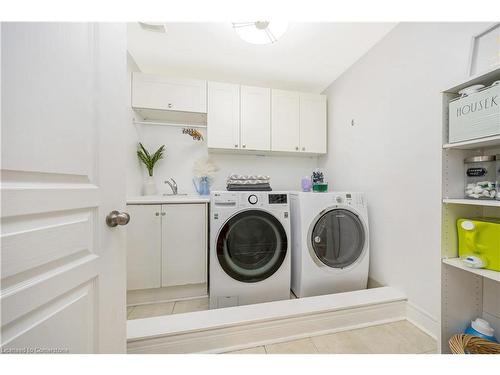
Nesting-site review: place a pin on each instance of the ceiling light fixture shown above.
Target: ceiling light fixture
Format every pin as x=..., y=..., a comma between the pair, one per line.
x=260, y=32
x=157, y=27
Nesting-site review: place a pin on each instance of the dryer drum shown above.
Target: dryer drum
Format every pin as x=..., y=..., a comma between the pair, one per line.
x=251, y=246
x=338, y=238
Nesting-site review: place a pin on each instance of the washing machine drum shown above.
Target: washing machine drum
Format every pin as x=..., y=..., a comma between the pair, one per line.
x=251, y=246
x=338, y=238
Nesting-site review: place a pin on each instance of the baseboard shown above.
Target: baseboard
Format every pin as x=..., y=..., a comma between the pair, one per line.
x=223, y=338
x=167, y=294
x=423, y=320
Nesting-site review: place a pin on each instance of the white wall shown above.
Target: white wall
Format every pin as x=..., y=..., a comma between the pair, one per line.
x=393, y=151
x=182, y=151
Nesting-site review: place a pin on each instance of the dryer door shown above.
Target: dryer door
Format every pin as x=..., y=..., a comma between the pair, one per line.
x=251, y=246
x=338, y=238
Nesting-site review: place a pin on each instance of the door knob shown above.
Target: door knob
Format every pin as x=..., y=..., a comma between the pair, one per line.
x=115, y=218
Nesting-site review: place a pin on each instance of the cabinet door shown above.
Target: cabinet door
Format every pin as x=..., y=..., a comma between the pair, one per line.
x=223, y=119
x=313, y=123
x=285, y=117
x=184, y=244
x=144, y=247
x=157, y=92
x=255, y=118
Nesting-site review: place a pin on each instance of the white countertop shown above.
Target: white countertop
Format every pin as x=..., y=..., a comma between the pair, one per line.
x=164, y=199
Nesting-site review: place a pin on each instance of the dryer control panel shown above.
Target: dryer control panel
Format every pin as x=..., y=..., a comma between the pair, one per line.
x=349, y=198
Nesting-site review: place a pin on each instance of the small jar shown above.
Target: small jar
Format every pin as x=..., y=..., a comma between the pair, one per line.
x=480, y=177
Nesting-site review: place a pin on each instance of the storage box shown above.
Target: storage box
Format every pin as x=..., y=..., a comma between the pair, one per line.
x=475, y=116
x=480, y=238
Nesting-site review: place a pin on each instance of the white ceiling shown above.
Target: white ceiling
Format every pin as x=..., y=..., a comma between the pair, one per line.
x=308, y=57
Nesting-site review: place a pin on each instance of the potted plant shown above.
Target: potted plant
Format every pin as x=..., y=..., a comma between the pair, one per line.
x=149, y=160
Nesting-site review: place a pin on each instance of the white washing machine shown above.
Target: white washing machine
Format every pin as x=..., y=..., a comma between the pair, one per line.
x=330, y=243
x=249, y=248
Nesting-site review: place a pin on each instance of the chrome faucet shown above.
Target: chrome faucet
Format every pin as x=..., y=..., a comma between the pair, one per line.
x=173, y=186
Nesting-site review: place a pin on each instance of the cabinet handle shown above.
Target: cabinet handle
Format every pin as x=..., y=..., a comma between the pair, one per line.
x=163, y=214
x=169, y=105
x=297, y=148
x=303, y=148
x=157, y=213
x=236, y=146
x=244, y=146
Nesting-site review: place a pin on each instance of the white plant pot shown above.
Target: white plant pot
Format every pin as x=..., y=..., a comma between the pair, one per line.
x=149, y=186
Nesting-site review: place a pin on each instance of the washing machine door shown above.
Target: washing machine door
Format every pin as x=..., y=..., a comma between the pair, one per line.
x=251, y=246
x=338, y=238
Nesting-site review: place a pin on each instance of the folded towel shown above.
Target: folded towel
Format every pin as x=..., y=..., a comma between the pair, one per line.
x=235, y=176
x=250, y=185
x=246, y=182
x=264, y=187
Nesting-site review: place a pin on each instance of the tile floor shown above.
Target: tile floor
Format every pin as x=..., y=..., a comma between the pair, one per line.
x=173, y=307
x=167, y=308
x=395, y=338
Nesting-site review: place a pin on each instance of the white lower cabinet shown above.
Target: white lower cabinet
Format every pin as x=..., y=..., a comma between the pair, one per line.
x=143, y=247
x=166, y=245
x=184, y=244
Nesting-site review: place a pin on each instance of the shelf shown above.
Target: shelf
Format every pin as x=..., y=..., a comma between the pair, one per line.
x=456, y=262
x=473, y=202
x=169, y=124
x=474, y=143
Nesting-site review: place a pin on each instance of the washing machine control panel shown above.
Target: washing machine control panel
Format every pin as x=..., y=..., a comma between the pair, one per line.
x=278, y=199
x=252, y=199
x=348, y=199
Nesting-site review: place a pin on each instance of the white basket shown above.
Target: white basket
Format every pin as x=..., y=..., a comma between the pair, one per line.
x=475, y=116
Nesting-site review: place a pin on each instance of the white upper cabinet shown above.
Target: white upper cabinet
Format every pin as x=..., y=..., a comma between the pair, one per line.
x=157, y=92
x=255, y=118
x=223, y=118
x=313, y=123
x=285, y=121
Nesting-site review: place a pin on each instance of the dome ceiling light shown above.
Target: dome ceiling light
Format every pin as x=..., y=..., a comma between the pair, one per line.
x=157, y=27
x=260, y=32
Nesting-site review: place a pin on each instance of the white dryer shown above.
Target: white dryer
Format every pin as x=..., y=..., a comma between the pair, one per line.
x=330, y=243
x=249, y=248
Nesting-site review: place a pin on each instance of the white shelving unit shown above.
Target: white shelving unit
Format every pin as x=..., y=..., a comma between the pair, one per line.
x=457, y=262
x=466, y=293
x=471, y=202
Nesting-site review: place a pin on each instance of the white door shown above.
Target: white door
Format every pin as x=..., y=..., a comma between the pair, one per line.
x=174, y=94
x=255, y=118
x=144, y=247
x=63, y=105
x=223, y=118
x=313, y=123
x=184, y=244
x=285, y=117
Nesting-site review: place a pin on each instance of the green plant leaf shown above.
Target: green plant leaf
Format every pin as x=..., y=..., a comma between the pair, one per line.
x=148, y=159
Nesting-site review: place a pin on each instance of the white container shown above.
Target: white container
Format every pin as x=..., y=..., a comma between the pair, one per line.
x=480, y=177
x=475, y=116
